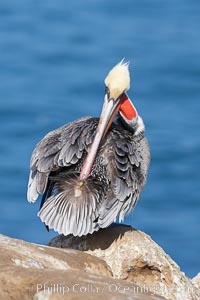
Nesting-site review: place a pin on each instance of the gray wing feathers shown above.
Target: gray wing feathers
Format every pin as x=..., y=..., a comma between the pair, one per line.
x=32, y=193
x=59, y=148
x=36, y=185
x=127, y=165
x=125, y=160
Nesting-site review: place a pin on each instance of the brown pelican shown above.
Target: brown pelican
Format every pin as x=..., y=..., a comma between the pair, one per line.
x=92, y=170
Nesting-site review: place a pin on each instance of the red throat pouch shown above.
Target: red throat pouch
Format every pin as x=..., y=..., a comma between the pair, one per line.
x=127, y=108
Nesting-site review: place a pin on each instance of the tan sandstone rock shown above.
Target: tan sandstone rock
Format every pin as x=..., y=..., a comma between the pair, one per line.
x=196, y=280
x=29, y=271
x=133, y=256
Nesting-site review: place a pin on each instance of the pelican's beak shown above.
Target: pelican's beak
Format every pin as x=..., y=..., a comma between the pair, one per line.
x=109, y=111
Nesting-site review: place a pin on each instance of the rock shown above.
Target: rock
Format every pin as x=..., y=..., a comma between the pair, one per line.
x=196, y=280
x=30, y=271
x=133, y=256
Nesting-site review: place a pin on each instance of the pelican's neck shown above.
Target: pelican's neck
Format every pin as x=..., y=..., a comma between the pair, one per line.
x=136, y=126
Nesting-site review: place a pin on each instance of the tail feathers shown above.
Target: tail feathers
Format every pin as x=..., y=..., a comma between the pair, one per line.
x=73, y=210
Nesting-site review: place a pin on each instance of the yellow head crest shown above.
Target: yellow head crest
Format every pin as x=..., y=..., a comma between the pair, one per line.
x=118, y=79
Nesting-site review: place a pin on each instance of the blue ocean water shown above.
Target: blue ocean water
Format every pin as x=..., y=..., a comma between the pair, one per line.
x=53, y=59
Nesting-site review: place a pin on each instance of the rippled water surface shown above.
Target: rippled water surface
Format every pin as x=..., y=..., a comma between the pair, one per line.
x=53, y=59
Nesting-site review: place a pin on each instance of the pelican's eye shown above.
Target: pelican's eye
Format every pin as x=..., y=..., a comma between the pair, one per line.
x=107, y=91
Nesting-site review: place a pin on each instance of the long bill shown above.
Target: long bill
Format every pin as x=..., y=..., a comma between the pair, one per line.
x=109, y=111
